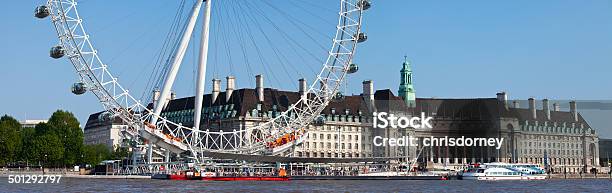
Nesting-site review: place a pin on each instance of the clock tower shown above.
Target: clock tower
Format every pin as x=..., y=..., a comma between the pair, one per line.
x=406, y=87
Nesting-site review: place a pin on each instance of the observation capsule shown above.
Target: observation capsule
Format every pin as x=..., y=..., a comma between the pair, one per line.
x=57, y=52
x=105, y=116
x=41, y=12
x=353, y=68
x=361, y=37
x=365, y=4
x=320, y=120
x=339, y=96
x=78, y=88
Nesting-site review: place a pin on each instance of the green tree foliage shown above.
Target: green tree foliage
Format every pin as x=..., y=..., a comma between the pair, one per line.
x=10, y=139
x=59, y=142
x=94, y=154
x=67, y=128
x=49, y=150
x=120, y=153
x=27, y=153
x=60, y=139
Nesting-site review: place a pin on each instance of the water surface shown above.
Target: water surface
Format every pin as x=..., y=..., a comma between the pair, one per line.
x=147, y=185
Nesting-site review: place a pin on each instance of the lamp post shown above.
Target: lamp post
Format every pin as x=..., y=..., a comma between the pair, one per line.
x=45, y=162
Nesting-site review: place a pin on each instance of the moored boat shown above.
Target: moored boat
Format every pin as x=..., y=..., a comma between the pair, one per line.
x=247, y=178
x=504, y=171
x=491, y=174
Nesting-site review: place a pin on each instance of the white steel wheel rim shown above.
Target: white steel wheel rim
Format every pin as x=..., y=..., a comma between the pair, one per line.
x=118, y=101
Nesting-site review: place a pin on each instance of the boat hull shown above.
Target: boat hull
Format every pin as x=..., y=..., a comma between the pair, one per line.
x=247, y=178
x=535, y=177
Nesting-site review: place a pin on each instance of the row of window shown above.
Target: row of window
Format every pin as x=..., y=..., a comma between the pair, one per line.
x=553, y=161
x=551, y=137
x=320, y=136
x=331, y=155
x=552, y=145
x=341, y=128
x=551, y=129
x=551, y=152
x=328, y=145
x=503, y=173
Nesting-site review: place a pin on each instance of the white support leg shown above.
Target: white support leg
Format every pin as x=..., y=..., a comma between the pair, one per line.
x=149, y=153
x=167, y=156
x=178, y=59
x=202, y=70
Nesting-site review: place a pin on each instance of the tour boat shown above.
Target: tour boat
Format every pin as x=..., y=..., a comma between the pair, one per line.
x=531, y=171
x=491, y=174
x=504, y=171
x=212, y=176
x=187, y=175
x=247, y=178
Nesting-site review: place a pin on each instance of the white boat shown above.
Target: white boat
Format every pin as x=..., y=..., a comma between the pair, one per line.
x=504, y=171
x=532, y=171
x=405, y=174
x=491, y=174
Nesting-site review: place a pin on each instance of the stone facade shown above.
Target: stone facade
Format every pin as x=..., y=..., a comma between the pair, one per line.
x=561, y=141
x=107, y=132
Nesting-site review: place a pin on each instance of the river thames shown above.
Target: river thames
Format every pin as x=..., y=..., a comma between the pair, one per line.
x=147, y=185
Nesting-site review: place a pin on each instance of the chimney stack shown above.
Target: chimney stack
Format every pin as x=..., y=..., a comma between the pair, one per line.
x=324, y=89
x=546, y=108
x=532, y=108
x=259, y=87
x=368, y=94
x=574, y=110
x=502, y=97
x=556, y=107
x=156, y=94
x=302, y=87
x=172, y=95
x=516, y=104
x=216, y=89
x=368, y=89
x=230, y=87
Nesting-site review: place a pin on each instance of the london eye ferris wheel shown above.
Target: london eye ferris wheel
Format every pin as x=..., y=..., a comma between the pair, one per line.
x=145, y=123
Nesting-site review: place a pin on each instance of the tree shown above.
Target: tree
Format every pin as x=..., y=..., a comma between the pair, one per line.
x=10, y=139
x=48, y=149
x=94, y=154
x=67, y=128
x=27, y=152
x=120, y=153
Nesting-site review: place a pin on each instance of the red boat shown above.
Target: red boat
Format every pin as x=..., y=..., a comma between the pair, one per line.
x=187, y=175
x=183, y=177
x=210, y=176
x=247, y=178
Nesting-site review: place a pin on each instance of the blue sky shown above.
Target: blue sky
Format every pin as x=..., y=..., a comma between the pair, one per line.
x=558, y=49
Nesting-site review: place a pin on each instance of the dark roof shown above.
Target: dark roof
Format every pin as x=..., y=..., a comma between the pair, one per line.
x=473, y=109
x=559, y=116
x=466, y=109
x=242, y=99
x=354, y=104
x=94, y=121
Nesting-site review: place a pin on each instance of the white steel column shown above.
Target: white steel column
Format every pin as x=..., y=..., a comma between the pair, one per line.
x=202, y=70
x=149, y=153
x=178, y=59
